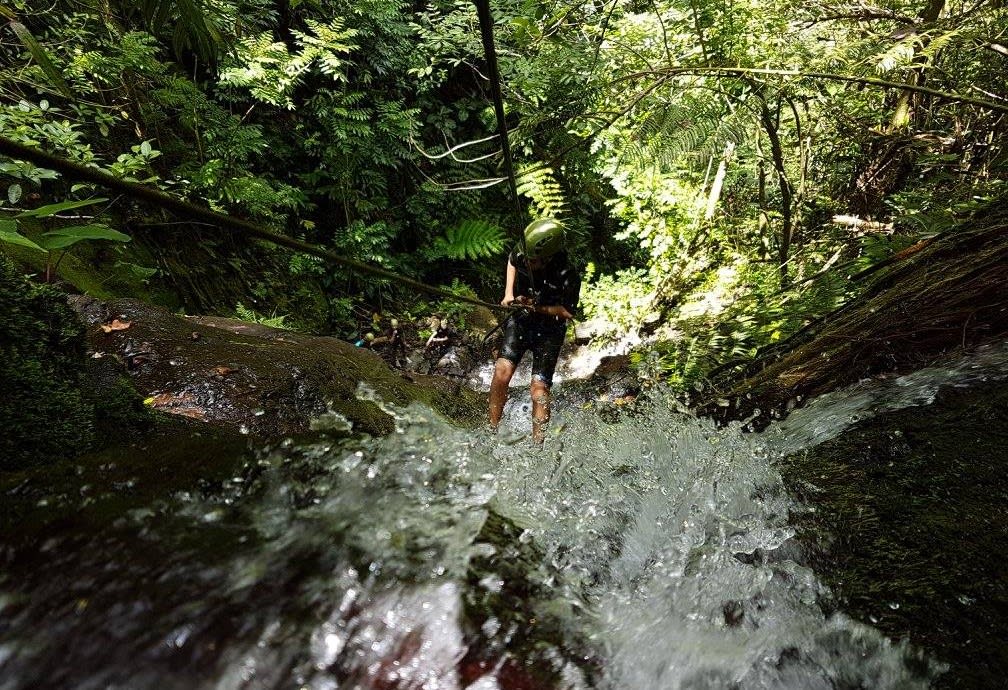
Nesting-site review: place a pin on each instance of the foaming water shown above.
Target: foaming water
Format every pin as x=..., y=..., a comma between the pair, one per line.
x=646, y=550
x=672, y=536
x=828, y=415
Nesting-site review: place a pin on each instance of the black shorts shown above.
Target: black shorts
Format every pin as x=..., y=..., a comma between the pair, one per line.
x=543, y=336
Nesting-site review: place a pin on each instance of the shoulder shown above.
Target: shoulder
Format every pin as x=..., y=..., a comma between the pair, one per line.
x=561, y=264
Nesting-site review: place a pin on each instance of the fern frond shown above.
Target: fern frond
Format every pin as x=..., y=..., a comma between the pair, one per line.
x=471, y=239
x=539, y=185
x=691, y=128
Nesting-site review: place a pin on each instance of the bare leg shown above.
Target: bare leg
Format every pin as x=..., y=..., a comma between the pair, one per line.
x=540, y=409
x=504, y=369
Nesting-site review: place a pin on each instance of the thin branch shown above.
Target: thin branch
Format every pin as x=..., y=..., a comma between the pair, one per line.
x=670, y=72
x=865, y=14
x=664, y=33
x=601, y=38
x=451, y=151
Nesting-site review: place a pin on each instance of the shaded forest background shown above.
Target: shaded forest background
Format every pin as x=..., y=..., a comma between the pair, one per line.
x=729, y=172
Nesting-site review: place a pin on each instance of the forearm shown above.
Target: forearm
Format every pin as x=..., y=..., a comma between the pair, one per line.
x=557, y=310
x=509, y=284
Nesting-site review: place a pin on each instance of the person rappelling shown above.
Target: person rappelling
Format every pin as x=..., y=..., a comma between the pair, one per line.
x=541, y=281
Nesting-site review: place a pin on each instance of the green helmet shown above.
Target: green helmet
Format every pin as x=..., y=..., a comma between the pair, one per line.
x=543, y=238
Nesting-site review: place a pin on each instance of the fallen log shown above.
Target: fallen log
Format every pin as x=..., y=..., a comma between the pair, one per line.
x=947, y=296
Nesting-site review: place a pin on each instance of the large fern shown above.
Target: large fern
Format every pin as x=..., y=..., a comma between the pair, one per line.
x=692, y=127
x=470, y=239
x=540, y=186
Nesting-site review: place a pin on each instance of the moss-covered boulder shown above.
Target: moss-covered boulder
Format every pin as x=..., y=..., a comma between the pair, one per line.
x=264, y=381
x=936, y=299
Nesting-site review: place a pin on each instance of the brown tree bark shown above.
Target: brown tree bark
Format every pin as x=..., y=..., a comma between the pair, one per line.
x=945, y=297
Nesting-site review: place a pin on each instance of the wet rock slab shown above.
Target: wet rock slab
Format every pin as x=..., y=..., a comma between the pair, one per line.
x=263, y=381
x=906, y=511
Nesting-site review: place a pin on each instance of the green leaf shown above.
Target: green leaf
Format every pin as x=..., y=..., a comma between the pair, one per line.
x=66, y=237
x=14, y=193
x=144, y=273
x=53, y=209
x=473, y=239
x=41, y=57
x=12, y=237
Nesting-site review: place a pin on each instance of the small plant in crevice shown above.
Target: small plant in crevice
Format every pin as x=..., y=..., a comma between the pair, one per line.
x=273, y=321
x=57, y=243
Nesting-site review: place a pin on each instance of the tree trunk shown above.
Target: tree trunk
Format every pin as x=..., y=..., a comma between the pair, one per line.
x=942, y=296
x=770, y=123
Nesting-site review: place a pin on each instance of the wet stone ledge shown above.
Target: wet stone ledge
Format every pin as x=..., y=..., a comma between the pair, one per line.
x=905, y=514
x=264, y=382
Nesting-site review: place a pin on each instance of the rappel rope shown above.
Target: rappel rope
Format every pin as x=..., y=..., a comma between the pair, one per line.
x=83, y=173
x=493, y=74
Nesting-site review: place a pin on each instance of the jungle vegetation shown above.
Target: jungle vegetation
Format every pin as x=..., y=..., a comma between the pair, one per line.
x=726, y=170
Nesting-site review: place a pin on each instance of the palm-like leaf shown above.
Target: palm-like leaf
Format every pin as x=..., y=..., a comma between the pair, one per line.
x=471, y=239
x=690, y=128
x=41, y=57
x=539, y=185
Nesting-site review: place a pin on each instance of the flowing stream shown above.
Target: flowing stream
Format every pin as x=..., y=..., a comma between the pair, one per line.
x=638, y=550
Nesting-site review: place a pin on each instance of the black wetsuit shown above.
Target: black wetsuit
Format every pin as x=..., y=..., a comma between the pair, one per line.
x=557, y=282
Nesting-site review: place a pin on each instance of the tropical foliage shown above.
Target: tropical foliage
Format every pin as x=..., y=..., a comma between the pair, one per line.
x=723, y=170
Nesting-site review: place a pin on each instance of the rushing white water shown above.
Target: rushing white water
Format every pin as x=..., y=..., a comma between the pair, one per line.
x=653, y=523
x=653, y=550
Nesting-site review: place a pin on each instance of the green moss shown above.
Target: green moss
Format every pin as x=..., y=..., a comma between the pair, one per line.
x=44, y=416
x=117, y=406
x=102, y=270
x=52, y=407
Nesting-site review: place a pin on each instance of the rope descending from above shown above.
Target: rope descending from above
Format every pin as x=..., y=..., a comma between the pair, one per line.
x=493, y=74
x=84, y=173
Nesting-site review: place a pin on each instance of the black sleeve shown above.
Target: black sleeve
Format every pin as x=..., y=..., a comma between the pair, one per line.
x=571, y=288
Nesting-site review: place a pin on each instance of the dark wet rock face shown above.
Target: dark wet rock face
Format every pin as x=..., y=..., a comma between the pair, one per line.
x=263, y=381
x=907, y=511
x=190, y=559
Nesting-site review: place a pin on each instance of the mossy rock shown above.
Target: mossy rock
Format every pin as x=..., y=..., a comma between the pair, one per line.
x=53, y=406
x=267, y=382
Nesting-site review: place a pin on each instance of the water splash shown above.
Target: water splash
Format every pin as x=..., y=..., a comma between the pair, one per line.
x=649, y=550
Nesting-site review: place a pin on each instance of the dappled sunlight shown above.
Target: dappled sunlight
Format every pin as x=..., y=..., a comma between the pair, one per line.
x=716, y=298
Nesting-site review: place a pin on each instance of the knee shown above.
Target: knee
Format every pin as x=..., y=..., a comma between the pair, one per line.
x=503, y=370
x=540, y=393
